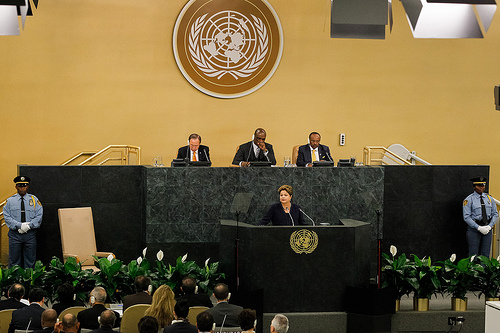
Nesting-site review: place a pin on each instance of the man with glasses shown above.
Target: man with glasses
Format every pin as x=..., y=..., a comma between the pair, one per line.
x=480, y=214
x=23, y=215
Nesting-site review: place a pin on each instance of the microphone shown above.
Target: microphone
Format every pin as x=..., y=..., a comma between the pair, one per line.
x=206, y=155
x=29, y=323
x=223, y=321
x=188, y=155
x=307, y=216
x=287, y=210
x=328, y=156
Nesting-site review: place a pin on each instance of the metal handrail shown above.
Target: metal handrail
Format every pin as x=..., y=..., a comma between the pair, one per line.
x=83, y=153
x=367, y=155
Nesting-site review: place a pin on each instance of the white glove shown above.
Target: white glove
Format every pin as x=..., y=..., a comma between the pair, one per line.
x=483, y=229
x=25, y=226
x=21, y=231
x=489, y=228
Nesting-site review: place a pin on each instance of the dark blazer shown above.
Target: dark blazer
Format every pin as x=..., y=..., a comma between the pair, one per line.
x=182, y=327
x=246, y=154
x=21, y=318
x=304, y=156
x=183, y=152
x=88, y=318
x=45, y=330
x=60, y=307
x=11, y=303
x=102, y=330
x=222, y=309
x=197, y=300
x=277, y=215
x=139, y=298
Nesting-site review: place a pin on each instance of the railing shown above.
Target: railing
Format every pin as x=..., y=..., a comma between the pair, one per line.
x=94, y=158
x=374, y=155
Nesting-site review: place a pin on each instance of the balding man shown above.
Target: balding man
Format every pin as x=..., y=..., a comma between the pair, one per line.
x=106, y=321
x=224, y=312
x=255, y=151
x=68, y=324
x=89, y=318
x=49, y=319
x=14, y=294
x=143, y=292
x=29, y=317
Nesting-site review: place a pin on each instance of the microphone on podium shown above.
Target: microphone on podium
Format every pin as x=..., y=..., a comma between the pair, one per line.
x=307, y=216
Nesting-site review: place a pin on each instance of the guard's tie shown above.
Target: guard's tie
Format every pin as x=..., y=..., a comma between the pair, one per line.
x=23, y=212
x=483, y=212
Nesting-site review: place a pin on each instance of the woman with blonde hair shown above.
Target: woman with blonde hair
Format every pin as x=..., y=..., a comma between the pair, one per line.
x=162, y=306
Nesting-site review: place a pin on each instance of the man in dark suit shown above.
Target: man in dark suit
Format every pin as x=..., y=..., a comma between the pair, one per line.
x=106, y=322
x=189, y=289
x=29, y=317
x=195, y=151
x=256, y=150
x=224, y=312
x=143, y=293
x=68, y=324
x=88, y=317
x=14, y=294
x=181, y=324
x=49, y=318
x=314, y=151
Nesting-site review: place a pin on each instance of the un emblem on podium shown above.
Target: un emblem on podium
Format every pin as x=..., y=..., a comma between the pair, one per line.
x=303, y=241
x=227, y=48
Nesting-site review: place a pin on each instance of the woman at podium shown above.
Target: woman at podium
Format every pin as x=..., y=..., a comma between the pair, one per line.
x=284, y=212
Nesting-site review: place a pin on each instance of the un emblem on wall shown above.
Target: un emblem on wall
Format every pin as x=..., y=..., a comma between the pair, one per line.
x=227, y=48
x=303, y=241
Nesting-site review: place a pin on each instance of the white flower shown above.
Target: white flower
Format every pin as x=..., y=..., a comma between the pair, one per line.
x=139, y=260
x=206, y=261
x=453, y=257
x=184, y=258
x=159, y=255
x=472, y=258
x=393, y=250
x=110, y=257
x=144, y=252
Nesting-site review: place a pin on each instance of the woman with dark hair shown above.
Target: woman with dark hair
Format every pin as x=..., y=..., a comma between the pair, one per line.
x=247, y=320
x=284, y=212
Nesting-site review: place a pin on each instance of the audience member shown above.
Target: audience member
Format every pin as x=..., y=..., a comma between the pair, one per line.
x=279, y=324
x=68, y=324
x=148, y=324
x=143, y=292
x=14, y=296
x=224, y=313
x=66, y=296
x=162, y=306
x=189, y=293
x=205, y=322
x=106, y=322
x=181, y=323
x=29, y=317
x=247, y=320
x=89, y=318
x=49, y=319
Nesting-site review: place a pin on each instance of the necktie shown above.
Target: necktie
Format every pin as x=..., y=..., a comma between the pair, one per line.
x=194, y=156
x=23, y=213
x=483, y=212
x=314, y=159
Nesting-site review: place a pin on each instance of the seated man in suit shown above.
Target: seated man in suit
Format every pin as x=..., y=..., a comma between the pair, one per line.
x=49, y=318
x=88, y=318
x=189, y=290
x=181, y=324
x=205, y=322
x=256, y=150
x=14, y=294
x=29, y=317
x=68, y=324
x=314, y=151
x=195, y=151
x=143, y=293
x=224, y=312
x=106, y=322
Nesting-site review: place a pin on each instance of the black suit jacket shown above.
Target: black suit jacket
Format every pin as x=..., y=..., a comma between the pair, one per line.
x=182, y=327
x=304, y=156
x=21, y=318
x=246, y=154
x=197, y=300
x=139, y=298
x=45, y=330
x=103, y=330
x=60, y=307
x=11, y=303
x=231, y=312
x=183, y=152
x=88, y=318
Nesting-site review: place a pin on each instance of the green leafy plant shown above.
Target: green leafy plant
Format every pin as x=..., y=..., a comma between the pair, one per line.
x=397, y=273
x=426, y=281
x=208, y=276
x=460, y=277
x=111, y=275
x=489, y=278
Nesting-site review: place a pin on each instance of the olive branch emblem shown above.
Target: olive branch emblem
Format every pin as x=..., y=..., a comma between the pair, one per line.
x=209, y=70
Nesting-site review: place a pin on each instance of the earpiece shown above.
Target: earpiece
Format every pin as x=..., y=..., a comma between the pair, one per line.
x=308, y=140
x=92, y=299
x=253, y=137
x=150, y=289
x=74, y=297
x=196, y=290
x=99, y=319
x=228, y=296
x=213, y=327
x=255, y=323
x=188, y=142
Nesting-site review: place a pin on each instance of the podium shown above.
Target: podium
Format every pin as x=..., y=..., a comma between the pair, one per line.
x=299, y=268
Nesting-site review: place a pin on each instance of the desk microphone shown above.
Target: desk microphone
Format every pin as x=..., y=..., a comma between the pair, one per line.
x=307, y=216
x=328, y=156
x=223, y=321
x=29, y=323
x=287, y=210
x=206, y=155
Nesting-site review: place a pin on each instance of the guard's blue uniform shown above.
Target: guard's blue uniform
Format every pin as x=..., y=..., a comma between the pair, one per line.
x=22, y=244
x=479, y=244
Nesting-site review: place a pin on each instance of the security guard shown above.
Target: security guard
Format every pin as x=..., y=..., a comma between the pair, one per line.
x=23, y=215
x=480, y=214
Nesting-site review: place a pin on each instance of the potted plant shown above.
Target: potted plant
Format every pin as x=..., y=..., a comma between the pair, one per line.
x=459, y=278
x=396, y=274
x=425, y=282
x=489, y=278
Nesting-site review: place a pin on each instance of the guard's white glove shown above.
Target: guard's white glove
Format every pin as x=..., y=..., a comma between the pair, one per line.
x=21, y=231
x=483, y=229
x=489, y=228
x=25, y=226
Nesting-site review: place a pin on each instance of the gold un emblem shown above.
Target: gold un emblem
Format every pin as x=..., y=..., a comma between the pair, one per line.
x=303, y=241
x=227, y=48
